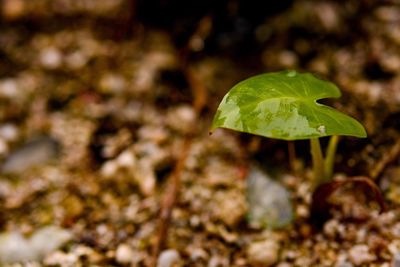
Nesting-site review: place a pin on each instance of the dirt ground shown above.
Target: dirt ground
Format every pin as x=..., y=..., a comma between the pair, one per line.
x=105, y=153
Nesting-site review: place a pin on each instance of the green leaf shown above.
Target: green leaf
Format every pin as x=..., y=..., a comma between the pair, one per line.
x=284, y=105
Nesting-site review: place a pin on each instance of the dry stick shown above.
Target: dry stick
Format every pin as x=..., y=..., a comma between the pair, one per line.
x=168, y=202
x=388, y=158
x=172, y=191
x=200, y=100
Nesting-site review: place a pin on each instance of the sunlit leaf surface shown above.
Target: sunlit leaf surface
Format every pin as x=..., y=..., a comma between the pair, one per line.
x=284, y=105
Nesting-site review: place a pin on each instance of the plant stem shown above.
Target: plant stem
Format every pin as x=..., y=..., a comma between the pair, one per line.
x=318, y=163
x=330, y=156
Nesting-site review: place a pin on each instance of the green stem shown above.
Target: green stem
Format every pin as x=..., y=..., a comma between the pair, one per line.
x=330, y=156
x=318, y=163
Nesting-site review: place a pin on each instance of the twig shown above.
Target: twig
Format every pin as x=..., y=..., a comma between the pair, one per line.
x=171, y=194
x=168, y=202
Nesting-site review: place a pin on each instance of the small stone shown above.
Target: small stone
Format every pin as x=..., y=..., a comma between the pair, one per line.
x=49, y=239
x=218, y=261
x=269, y=201
x=124, y=254
x=264, y=253
x=109, y=168
x=9, y=88
x=343, y=264
x=168, y=258
x=229, y=207
x=288, y=59
x=112, y=83
x=198, y=254
x=50, y=58
x=8, y=132
x=33, y=153
x=73, y=206
x=126, y=159
x=3, y=147
x=88, y=253
x=144, y=174
x=59, y=258
x=396, y=260
x=153, y=133
x=359, y=254
x=76, y=60
x=15, y=248
x=331, y=228
x=181, y=119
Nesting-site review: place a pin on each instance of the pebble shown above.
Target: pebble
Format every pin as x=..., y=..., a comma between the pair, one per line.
x=181, y=119
x=145, y=176
x=269, y=202
x=16, y=248
x=229, y=206
x=112, y=83
x=331, y=228
x=76, y=60
x=33, y=153
x=8, y=132
x=198, y=254
x=218, y=261
x=126, y=159
x=124, y=254
x=48, y=239
x=9, y=88
x=359, y=254
x=168, y=258
x=264, y=253
x=396, y=260
x=343, y=264
x=50, y=58
x=3, y=147
x=59, y=258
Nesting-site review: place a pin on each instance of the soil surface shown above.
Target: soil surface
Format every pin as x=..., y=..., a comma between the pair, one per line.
x=105, y=152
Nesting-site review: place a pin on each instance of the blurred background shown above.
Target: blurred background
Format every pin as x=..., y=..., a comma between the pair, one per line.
x=99, y=101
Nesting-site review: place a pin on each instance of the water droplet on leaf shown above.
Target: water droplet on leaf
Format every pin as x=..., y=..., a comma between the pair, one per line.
x=291, y=73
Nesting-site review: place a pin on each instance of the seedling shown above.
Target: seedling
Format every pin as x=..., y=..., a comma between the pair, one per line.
x=283, y=105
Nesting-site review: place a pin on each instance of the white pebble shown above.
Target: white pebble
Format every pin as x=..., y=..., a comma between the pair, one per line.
x=168, y=258
x=396, y=260
x=14, y=248
x=9, y=132
x=359, y=254
x=8, y=88
x=124, y=254
x=50, y=58
x=126, y=159
x=109, y=168
x=49, y=239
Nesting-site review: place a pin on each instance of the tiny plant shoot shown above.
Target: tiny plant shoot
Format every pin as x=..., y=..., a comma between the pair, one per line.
x=284, y=105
